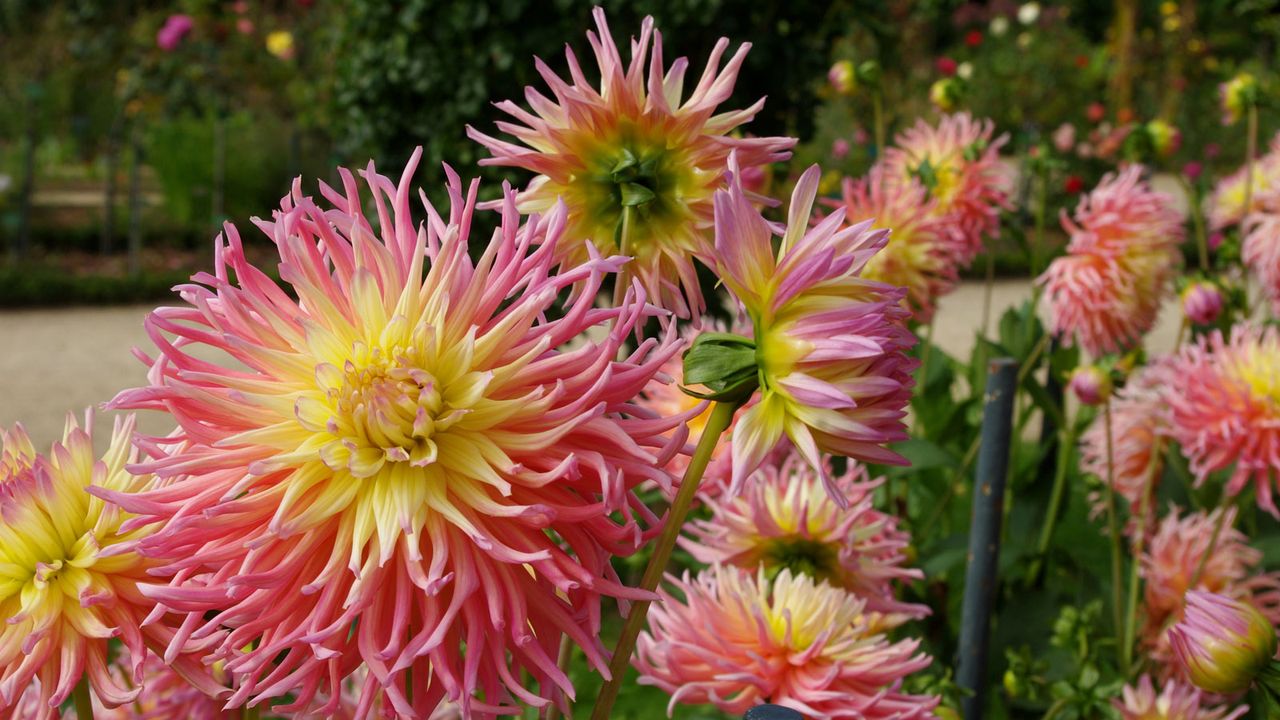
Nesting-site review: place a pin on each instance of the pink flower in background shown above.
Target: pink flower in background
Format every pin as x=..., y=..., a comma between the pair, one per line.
x=245, y=26
x=737, y=639
x=70, y=577
x=1137, y=421
x=1193, y=170
x=924, y=251
x=389, y=455
x=176, y=28
x=1226, y=204
x=635, y=163
x=1261, y=247
x=1064, y=138
x=784, y=519
x=167, y=695
x=840, y=149
x=1176, y=701
x=1090, y=384
x=1224, y=407
x=958, y=161
x=1202, y=302
x=1222, y=644
x=830, y=345
x=1105, y=293
x=842, y=78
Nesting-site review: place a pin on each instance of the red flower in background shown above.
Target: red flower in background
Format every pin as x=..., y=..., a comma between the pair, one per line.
x=973, y=38
x=1095, y=112
x=1073, y=184
x=946, y=66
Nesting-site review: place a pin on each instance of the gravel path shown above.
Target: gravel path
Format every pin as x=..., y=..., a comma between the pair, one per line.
x=54, y=361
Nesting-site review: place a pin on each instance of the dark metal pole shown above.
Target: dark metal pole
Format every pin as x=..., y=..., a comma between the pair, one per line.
x=984, y=533
x=772, y=712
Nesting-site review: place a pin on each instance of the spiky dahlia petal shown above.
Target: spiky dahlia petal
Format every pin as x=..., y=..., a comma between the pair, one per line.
x=1175, y=701
x=1260, y=248
x=1223, y=396
x=738, y=639
x=635, y=161
x=408, y=459
x=830, y=345
x=784, y=518
x=959, y=161
x=69, y=575
x=1106, y=292
x=1225, y=205
x=925, y=250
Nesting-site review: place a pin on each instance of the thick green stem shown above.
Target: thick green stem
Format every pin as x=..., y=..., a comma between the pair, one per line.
x=721, y=417
x=1113, y=529
x=251, y=713
x=1208, y=551
x=1197, y=221
x=81, y=700
x=1066, y=445
x=1140, y=538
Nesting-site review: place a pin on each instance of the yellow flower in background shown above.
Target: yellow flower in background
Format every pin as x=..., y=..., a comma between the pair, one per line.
x=280, y=44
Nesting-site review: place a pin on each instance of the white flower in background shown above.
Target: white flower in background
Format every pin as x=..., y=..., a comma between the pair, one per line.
x=1024, y=40
x=999, y=25
x=1029, y=13
x=964, y=70
x=5, y=183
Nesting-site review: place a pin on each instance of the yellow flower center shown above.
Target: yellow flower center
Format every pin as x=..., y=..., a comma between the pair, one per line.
x=1260, y=370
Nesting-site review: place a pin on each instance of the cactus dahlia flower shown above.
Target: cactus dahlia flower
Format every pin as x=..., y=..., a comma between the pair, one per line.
x=1261, y=247
x=1105, y=293
x=69, y=580
x=739, y=639
x=1226, y=204
x=1176, y=701
x=1170, y=561
x=635, y=163
x=1222, y=644
x=1137, y=422
x=1224, y=407
x=924, y=250
x=959, y=163
x=413, y=465
x=830, y=345
x=784, y=519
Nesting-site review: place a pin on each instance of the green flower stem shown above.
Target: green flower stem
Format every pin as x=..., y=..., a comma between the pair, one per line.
x=81, y=700
x=1144, y=509
x=1197, y=221
x=877, y=110
x=721, y=417
x=251, y=713
x=1250, y=155
x=1117, y=556
x=1208, y=551
x=565, y=658
x=1042, y=202
x=1066, y=444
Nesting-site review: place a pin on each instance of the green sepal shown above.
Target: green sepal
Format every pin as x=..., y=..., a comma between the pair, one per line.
x=725, y=364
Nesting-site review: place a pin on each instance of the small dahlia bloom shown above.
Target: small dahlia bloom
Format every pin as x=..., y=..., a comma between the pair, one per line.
x=166, y=695
x=176, y=28
x=1224, y=407
x=843, y=78
x=1137, y=422
x=635, y=163
x=959, y=162
x=1202, y=302
x=414, y=450
x=69, y=576
x=785, y=519
x=1165, y=138
x=1226, y=204
x=1090, y=384
x=1106, y=292
x=924, y=251
x=1236, y=95
x=738, y=639
x=830, y=345
x=1175, y=701
x=1222, y=644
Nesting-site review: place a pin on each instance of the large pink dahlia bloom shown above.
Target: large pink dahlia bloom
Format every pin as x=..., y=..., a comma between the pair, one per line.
x=1260, y=249
x=959, y=162
x=1223, y=397
x=1105, y=293
x=1137, y=423
x=785, y=519
x=830, y=345
x=1225, y=206
x=635, y=163
x=739, y=639
x=1175, y=701
x=405, y=466
x=925, y=249
x=69, y=578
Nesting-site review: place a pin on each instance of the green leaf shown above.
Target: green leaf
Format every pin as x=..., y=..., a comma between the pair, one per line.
x=634, y=195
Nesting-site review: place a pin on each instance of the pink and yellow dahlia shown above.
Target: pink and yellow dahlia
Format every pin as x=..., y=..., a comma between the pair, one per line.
x=830, y=345
x=1260, y=249
x=1176, y=701
x=1224, y=407
x=412, y=460
x=1222, y=644
x=958, y=161
x=1175, y=552
x=785, y=519
x=69, y=575
x=636, y=165
x=1137, y=423
x=924, y=250
x=1106, y=292
x=739, y=639
x=1226, y=204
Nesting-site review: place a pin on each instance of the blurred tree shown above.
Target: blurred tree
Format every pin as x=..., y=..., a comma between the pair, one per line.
x=416, y=72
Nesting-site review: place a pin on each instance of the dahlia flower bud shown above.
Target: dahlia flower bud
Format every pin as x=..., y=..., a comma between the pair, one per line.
x=1165, y=138
x=1236, y=95
x=945, y=94
x=1091, y=384
x=842, y=78
x=1202, y=302
x=1222, y=644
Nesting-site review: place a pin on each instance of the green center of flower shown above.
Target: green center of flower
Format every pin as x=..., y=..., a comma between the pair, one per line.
x=802, y=556
x=633, y=185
